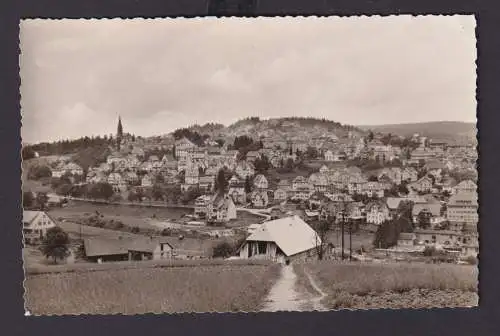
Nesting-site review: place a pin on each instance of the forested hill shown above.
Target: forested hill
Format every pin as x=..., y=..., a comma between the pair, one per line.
x=439, y=129
x=288, y=127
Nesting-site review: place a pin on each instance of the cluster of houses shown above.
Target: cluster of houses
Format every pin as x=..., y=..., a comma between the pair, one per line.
x=334, y=190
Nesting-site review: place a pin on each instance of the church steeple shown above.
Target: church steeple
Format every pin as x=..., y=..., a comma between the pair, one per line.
x=119, y=132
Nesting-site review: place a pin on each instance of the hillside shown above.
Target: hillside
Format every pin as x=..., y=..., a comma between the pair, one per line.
x=289, y=127
x=439, y=129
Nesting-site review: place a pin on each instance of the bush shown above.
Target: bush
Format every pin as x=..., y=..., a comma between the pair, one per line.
x=135, y=229
x=222, y=249
x=471, y=260
x=38, y=172
x=166, y=232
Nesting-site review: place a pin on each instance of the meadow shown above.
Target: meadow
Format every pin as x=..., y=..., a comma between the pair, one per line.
x=217, y=287
x=395, y=285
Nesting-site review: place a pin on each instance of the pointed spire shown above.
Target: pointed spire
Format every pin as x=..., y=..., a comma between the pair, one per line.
x=119, y=132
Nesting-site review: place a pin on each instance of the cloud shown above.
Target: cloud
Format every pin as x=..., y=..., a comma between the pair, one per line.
x=164, y=74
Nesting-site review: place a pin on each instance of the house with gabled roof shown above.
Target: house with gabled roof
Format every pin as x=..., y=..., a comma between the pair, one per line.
x=183, y=147
x=422, y=185
x=259, y=199
x=117, y=182
x=377, y=212
x=260, y=182
x=432, y=209
x=319, y=181
x=252, y=156
x=466, y=186
x=35, y=225
x=409, y=174
x=244, y=169
x=221, y=209
x=284, y=240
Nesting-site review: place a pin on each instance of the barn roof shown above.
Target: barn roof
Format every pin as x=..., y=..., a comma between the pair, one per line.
x=291, y=234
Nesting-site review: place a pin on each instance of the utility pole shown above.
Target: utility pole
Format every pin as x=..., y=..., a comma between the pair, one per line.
x=350, y=240
x=343, y=222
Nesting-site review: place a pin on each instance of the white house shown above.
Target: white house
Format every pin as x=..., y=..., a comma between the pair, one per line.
x=147, y=181
x=183, y=147
x=283, y=240
x=466, y=186
x=329, y=156
x=260, y=182
x=377, y=213
x=35, y=225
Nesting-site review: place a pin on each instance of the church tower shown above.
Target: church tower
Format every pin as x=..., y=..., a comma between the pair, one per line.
x=119, y=133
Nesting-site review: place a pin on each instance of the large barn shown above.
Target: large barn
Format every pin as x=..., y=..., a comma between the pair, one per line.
x=282, y=240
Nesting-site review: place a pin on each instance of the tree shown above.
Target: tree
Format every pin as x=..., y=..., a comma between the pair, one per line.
x=159, y=179
x=248, y=185
x=373, y=178
x=370, y=136
x=242, y=141
x=64, y=189
x=424, y=219
x=222, y=250
x=312, y=152
x=132, y=196
x=221, y=183
x=157, y=193
x=403, y=188
x=322, y=227
x=38, y=172
x=101, y=190
x=386, y=236
x=55, y=244
x=27, y=153
x=28, y=199
x=262, y=164
x=41, y=200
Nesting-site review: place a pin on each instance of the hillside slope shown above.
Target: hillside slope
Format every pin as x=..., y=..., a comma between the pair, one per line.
x=289, y=127
x=439, y=129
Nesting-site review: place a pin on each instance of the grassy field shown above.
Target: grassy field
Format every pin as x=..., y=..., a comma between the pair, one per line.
x=205, y=288
x=202, y=245
x=129, y=215
x=359, y=239
x=139, y=216
x=396, y=285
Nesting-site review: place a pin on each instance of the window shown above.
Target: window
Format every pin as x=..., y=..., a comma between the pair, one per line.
x=262, y=247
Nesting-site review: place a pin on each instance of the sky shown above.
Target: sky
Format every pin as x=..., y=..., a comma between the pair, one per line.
x=78, y=76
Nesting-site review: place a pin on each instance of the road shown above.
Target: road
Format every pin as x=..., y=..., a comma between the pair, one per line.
x=285, y=297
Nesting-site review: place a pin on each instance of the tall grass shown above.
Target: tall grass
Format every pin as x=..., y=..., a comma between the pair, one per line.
x=223, y=288
x=110, y=266
x=398, y=285
x=361, y=279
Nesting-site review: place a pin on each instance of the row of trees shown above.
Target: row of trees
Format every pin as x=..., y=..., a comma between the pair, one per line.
x=192, y=136
x=68, y=146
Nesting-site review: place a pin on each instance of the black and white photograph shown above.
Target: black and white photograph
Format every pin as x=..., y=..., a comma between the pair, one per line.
x=232, y=164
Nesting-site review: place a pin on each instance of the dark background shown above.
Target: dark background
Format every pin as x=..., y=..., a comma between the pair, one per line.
x=484, y=320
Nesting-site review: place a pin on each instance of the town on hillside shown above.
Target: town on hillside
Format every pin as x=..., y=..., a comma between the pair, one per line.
x=325, y=193
x=301, y=164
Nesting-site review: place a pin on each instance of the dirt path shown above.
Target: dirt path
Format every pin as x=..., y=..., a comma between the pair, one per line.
x=284, y=296
x=316, y=301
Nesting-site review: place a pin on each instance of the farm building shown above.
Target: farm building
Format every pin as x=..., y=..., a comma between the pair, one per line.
x=283, y=240
x=103, y=250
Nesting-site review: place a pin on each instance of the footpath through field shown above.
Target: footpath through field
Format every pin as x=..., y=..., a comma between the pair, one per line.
x=285, y=297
